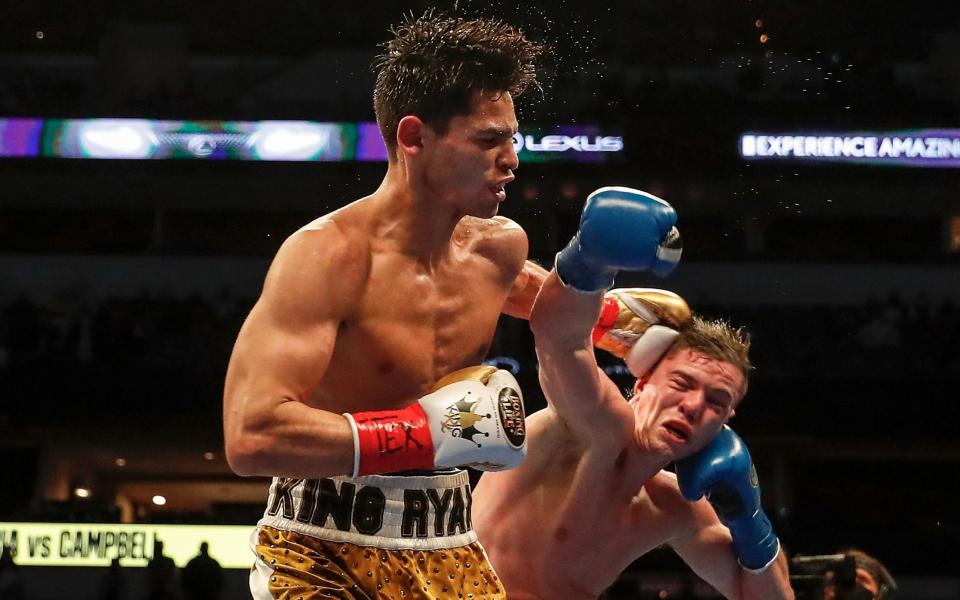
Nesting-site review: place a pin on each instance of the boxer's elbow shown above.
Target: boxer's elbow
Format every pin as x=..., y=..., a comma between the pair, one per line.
x=248, y=447
x=245, y=456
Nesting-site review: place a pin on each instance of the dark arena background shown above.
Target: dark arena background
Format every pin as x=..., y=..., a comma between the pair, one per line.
x=153, y=157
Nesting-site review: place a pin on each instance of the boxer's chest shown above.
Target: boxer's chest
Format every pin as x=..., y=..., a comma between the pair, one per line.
x=413, y=326
x=632, y=520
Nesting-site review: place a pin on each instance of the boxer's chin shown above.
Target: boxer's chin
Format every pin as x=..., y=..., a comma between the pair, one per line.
x=489, y=208
x=486, y=211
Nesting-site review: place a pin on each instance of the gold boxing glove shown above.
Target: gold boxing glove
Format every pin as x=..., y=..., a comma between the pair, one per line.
x=628, y=314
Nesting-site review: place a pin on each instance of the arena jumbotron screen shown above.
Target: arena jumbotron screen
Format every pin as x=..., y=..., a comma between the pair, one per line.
x=311, y=141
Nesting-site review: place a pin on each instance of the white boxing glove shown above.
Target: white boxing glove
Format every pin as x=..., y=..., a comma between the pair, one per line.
x=474, y=417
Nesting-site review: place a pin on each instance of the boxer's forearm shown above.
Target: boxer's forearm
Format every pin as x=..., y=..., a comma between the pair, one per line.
x=290, y=439
x=583, y=397
x=773, y=583
x=563, y=318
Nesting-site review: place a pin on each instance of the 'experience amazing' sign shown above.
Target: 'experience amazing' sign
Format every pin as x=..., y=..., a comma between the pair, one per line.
x=921, y=148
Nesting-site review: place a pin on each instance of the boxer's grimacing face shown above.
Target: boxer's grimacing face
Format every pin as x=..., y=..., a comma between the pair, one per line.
x=469, y=165
x=684, y=402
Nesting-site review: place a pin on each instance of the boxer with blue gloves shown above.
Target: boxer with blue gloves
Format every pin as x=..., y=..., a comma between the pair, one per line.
x=620, y=229
x=724, y=472
x=593, y=495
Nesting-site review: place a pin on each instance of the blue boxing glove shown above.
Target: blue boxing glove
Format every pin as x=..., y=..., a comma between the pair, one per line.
x=724, y=472
x=620, y=229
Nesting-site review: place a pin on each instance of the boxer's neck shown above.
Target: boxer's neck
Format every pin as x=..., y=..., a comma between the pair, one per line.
x=420, y=225
x=641, y=467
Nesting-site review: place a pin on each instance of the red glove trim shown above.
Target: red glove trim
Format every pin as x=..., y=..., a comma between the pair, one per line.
x=608, y=318
x=394, y=440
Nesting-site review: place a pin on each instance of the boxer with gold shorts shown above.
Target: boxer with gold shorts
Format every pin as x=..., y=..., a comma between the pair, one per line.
x=339, y=375
x=408, y=537
x=404, y=535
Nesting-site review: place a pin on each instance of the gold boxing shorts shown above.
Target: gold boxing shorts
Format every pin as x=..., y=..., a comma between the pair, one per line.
x=372, y=537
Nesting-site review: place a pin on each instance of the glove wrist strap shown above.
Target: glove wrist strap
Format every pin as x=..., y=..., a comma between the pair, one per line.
x=576, y=275
x=754, y=542
x=388, y=441
x=762, y=569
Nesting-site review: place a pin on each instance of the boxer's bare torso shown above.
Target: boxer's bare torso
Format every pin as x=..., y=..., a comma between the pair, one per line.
x=414, y=322
x=351, y=320
x=592, y=520
x=592, y=495
x=365, y=308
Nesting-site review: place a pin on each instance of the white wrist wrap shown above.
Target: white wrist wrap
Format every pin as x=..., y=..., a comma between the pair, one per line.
x=356, y=444
x=764, y=567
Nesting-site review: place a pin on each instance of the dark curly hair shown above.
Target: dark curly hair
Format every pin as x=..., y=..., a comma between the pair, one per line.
x=435, y=64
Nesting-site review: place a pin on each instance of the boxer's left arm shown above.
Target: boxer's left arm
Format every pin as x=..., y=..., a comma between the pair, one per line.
x=732, y=543
x=706, y=546
x=505, y=243
x=524, y=291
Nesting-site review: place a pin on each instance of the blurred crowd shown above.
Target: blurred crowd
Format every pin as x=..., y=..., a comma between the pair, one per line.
x=201, y=578
x=619, y=66
x=189, y=340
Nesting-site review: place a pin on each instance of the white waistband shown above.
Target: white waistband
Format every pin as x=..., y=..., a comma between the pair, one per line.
x=391, y=512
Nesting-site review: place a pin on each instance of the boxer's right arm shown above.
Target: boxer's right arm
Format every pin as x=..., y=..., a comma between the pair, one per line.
x=281, y=354
x=620, y=229
x=587, y=401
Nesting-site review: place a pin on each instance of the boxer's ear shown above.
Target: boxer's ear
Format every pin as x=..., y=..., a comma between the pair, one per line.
x=410, y=132
x=733, y=409
x=865, y=580
x=642, y=381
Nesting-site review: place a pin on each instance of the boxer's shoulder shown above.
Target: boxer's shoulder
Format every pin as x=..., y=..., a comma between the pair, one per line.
x=499, y=239
x=353, y=227
x=496, y=228
x=325, y=254
x=504, y=223
x=664, y=492
x=331, y=237
x=680, y=516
